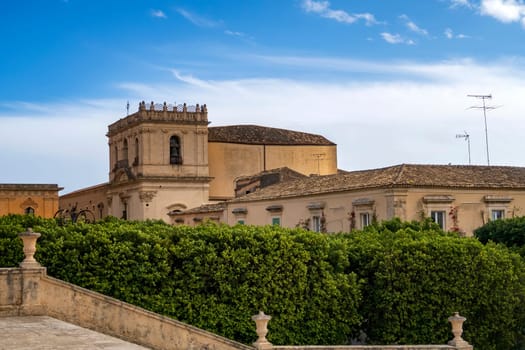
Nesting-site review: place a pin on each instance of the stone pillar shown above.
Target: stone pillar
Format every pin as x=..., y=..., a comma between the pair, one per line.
x=457, y=329
x=29, y=238
x=261, y=322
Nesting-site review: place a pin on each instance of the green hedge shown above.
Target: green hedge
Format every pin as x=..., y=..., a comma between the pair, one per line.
x=396, y=283
x=510, y=232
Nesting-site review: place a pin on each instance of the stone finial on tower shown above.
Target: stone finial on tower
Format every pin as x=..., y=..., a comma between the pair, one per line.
x=152, y=106
x=164, y=107
x=204, y=108
x=29, y=238
x=142, y=106
x=184, y=108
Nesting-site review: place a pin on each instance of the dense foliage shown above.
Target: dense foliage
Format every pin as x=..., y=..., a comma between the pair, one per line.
x=395, y=283
x=510, y=232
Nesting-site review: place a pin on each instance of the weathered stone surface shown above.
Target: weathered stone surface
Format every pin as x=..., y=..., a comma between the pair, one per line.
x=47, y=333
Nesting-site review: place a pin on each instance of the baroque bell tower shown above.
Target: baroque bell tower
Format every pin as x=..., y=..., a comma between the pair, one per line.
x=158, y=161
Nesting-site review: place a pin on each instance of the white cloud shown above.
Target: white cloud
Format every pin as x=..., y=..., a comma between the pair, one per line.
x=506, y=11
x=412, y=26
x=409, y=113
x=158, y=14
x=197, y=20
x=396, y=39
x=323, y=9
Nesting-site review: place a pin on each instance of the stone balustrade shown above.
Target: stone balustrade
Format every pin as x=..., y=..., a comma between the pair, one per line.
x=182, y=114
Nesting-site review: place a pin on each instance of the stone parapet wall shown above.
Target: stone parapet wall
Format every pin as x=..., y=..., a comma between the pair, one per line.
x=368, y=347
x=20, y=292
x=95, y=311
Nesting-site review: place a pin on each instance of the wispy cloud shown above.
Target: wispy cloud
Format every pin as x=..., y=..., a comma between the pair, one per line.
x=396, y=39
x=461, y=3
x=413, y=26
x=189, y=79
x=158, y=14
x=323, y=9
x=233, y=33
x=198, y=20
x=449, y=34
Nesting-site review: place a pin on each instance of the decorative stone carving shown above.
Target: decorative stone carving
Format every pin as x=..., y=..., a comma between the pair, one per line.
x=124, y=197
x=29, y=202
x=147, y=196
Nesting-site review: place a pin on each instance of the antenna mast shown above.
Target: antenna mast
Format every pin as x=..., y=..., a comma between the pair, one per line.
x=484, y=107
x=465, y=136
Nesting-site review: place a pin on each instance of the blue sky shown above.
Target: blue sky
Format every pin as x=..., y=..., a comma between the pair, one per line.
x=387, y=80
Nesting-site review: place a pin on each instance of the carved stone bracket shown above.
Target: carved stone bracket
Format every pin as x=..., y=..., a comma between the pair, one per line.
x=147, y=196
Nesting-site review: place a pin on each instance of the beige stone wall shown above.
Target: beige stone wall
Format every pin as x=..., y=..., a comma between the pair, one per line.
x=473, y=207
x=369, y=347
x=16, y=198
x=148, y=151
x=91, y=310
x=93, y=199
x=229, y=161
x=155, y=199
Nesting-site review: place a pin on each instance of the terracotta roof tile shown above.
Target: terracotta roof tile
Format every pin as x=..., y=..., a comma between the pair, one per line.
x=258, y=135
x=404, y=175
x=205, y=208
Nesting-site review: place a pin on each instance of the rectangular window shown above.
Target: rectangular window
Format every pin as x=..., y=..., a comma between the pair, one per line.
x=276, y=220
x=240, y=222
x=316, y=223
x=365, y=219
x=497, y=214
x=438, y=216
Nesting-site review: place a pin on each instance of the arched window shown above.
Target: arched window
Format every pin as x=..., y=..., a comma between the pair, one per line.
x=136, y=160
x=175, y=152
x=125, y=150
x=29, y=211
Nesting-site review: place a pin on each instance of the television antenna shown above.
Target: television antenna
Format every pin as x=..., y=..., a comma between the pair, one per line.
x=484, y=107
x=465, y=136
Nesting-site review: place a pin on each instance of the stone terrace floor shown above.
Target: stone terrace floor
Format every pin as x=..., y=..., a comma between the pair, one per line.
x=47, y=333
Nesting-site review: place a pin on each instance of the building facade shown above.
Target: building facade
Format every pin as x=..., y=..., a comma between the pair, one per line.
x=32, y=199
x=458, y=198
x=165, y=159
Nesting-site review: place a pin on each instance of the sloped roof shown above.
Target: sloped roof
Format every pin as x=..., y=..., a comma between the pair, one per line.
x=205, y=208
x=283, y=171
x=262, y=135
x=404, y=175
